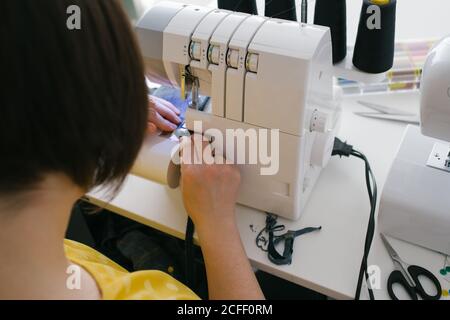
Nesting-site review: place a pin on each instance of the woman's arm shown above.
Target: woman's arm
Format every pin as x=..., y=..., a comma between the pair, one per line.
x=229, y=273
x=209, y=194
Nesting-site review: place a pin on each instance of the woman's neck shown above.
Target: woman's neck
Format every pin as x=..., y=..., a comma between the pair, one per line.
x=33, y=227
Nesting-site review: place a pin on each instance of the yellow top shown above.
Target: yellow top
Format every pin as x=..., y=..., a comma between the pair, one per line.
x=380, y=2
x=116, y=283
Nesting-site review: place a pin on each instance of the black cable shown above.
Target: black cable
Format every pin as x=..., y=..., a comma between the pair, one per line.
x=371, y=226
x=271, y=226
x=344, y=149
x=189, y=253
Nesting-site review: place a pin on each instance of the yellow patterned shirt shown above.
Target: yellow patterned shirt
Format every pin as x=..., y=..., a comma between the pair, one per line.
x=116, y=283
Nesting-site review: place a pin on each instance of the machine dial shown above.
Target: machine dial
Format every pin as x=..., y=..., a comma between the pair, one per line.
x=214, y=54
x=195, y=50
x=251, y=62
x=233, y=58
x=320, y=122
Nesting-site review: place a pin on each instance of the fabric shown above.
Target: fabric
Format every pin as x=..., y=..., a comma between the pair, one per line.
x=116, y=283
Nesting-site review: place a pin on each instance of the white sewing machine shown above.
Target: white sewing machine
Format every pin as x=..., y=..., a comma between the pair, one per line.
x=261, y=74
x=415, y=204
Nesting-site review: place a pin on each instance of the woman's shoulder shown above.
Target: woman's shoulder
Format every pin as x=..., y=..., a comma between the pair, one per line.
x=77, y=252
x=116, y=283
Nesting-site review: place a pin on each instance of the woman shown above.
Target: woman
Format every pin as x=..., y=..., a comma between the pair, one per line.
x=73, y=115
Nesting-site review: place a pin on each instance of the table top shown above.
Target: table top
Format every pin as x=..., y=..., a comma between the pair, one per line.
x=327, y=261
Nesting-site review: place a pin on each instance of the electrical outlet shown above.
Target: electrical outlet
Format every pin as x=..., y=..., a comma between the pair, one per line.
x=440, y=157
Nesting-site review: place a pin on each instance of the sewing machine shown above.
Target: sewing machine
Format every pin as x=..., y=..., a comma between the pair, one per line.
x=415, y=204
x=270, y=83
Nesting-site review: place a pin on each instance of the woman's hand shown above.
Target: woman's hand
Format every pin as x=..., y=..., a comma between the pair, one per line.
x=162, y=115
x=209, y=190
x=209, y=194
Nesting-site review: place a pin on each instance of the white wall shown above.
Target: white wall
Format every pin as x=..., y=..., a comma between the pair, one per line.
x=416, y=19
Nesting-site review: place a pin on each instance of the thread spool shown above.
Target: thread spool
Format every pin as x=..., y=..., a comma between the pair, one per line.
x=281, y=9
x=375, y=42
x=333, y=14
x=245, y=6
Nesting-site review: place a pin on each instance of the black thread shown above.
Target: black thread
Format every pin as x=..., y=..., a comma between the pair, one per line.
x=333, y=14
x=281, y=9
x=245, y=6
x=375, y=44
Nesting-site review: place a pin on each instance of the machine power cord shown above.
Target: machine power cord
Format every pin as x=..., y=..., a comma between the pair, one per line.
x=343, y=149
x=189, y=253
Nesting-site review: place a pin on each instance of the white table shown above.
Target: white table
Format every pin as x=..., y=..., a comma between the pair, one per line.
x=327, y=261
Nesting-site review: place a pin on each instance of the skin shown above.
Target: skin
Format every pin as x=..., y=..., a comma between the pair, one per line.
x=209, y=195
x=162, y=116
x=33, y=260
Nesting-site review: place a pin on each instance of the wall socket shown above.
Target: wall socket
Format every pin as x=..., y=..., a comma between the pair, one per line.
x=440, y=157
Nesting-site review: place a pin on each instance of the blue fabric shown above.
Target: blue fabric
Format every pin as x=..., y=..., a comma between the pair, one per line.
x=173, y=95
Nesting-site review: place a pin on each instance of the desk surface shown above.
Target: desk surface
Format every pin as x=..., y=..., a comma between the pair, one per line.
x=327, y=261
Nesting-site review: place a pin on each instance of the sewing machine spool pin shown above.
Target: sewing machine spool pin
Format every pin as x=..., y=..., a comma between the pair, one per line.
x=195, y=95
x=192, y=84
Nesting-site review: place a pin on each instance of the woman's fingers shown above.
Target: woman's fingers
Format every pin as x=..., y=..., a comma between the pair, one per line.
x=167, y=104
x=160, y=122
x=193, y=152
x=152, y=128
x=163, y=114
x=167, y=113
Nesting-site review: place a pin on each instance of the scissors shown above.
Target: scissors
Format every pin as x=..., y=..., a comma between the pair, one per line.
x=408, y=277
x=387, y=113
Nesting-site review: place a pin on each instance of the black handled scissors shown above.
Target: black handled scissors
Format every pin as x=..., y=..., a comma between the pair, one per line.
x=408, y=277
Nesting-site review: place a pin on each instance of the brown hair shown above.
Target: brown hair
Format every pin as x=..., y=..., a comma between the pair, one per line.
x=72, y=101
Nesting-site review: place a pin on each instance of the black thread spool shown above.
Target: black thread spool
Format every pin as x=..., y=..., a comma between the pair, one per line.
x=374, y=47
x=281, y=9
x=245, y=6
x=333, y=14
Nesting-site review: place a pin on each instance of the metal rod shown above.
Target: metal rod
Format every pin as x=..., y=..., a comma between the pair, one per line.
x=304, y=16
